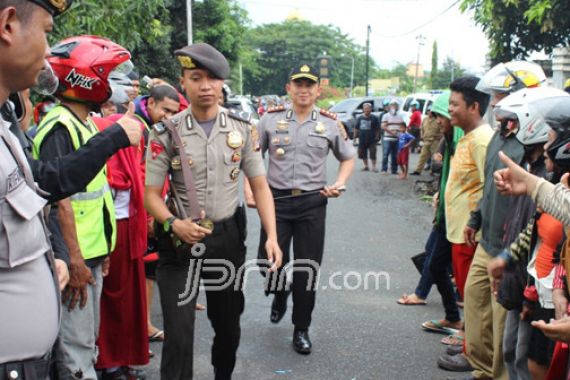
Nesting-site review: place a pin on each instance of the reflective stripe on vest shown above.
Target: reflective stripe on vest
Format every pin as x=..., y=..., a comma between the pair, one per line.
x=93, y=209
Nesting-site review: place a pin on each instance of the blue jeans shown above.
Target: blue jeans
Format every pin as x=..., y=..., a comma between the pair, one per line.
x=426, y=282
x=390, y=148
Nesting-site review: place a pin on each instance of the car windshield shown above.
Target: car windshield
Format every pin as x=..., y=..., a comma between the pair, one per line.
x=345, y=106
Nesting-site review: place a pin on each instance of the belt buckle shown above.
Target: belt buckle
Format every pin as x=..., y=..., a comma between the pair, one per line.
x=296, y=192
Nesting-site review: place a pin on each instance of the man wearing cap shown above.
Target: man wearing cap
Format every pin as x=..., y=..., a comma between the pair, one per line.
x=28, y=282
x=298, y=139
x=214, y=146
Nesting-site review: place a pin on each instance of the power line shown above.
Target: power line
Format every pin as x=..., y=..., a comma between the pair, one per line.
x=424, y=24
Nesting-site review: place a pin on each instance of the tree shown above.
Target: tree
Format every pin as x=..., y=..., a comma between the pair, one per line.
x=450, y=70
x=434, y=62
x=517, y=27
x=220, y=23
x=272, y=50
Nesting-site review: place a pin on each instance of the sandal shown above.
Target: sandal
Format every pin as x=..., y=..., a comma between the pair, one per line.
x=411, y=300
x=200, y=307
x=158, y=336
x=453, y=340
x=438, y=327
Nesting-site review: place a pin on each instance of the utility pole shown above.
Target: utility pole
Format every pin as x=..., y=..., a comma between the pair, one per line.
x=367, y=58
x=351, y=76
x=189, y=20
x=420, y=40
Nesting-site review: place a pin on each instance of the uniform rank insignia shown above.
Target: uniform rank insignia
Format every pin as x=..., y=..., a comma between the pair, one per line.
x=280, y=108
x=342, y=130
x=254, y=135
x=329, y=114
x=156, y=149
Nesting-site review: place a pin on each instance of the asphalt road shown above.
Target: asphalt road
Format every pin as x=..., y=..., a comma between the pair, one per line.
x=358, y=332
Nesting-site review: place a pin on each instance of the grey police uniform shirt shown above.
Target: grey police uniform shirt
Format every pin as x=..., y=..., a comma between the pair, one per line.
x=28, y=293
x=215, y=165
x=298, y=151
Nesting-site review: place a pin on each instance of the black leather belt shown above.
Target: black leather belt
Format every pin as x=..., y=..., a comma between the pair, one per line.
x=281, y=193
x=32, y=369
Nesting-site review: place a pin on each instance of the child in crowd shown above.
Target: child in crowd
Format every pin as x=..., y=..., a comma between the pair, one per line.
x=405, y=140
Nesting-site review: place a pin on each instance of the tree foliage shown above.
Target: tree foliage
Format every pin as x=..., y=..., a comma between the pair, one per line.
x=272, y=50
x=517, y=27
x=434, y=61
x=450, y=70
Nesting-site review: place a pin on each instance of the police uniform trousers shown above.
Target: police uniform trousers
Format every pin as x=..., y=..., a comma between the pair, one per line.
x=224, y=306
x=300, y=219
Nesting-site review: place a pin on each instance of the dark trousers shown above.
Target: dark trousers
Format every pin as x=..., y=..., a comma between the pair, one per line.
x=426, y=282
x=224, y=306
x=301, y=220
x=32, y=369
x=390, y=150
x=439, y=266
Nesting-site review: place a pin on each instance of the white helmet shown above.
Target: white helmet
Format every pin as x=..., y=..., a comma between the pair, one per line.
x=121, y=84
x=532, y=127
x=511, y=76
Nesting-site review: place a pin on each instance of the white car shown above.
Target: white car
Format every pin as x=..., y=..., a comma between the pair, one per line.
x=425, y=99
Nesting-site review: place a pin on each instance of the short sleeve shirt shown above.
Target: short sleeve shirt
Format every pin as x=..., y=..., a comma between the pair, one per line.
x=393, y=124
x=466, y=179
x=214, y=163
x=298, y=150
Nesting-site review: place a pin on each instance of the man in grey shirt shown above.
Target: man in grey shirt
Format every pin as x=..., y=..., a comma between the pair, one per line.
x=391, y=122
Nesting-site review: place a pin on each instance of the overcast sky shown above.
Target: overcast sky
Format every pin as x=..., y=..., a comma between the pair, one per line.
x=393, y=23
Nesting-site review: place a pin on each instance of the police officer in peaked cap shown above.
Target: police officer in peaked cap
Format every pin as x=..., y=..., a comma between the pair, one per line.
x=298, y=139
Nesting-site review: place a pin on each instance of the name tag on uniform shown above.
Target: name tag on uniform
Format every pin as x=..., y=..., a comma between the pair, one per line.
x=14, y=179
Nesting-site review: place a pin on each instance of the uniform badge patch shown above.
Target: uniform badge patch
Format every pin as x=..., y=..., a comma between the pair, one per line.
x=342, y=130
x=156, y=149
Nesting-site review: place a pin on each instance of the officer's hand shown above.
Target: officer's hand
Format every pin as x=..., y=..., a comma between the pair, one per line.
x=62, y=273
x=80, y=277
x=188, y=231
x=274, y=254
x=333, y=191
x=469, y=235
x=496, y=268
x=131, y=126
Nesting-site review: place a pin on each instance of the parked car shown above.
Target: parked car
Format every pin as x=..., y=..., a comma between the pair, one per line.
x=348, y=110
x=425, y=99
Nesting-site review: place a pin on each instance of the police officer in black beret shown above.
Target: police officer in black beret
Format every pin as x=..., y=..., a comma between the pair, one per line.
x=215, y=145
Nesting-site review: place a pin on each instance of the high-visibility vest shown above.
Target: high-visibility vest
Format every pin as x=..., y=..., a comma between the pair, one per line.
x=93, y=208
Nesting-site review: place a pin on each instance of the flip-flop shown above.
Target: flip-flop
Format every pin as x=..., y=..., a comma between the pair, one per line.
x=436, y=326
x=405, y=300
x=453, y=340
x=157, y=336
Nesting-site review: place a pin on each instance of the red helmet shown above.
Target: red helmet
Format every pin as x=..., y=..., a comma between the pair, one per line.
x=83, y=64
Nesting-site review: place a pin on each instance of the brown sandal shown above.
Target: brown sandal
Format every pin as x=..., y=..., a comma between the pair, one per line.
x=411, y=300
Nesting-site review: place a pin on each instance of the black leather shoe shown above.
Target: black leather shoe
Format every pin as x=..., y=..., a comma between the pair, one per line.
x=278, y=307
x=301, y=342
x=415, y=173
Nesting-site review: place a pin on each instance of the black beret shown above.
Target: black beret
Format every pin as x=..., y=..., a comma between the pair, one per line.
x=54, y=7
x=204, y=56
x=304, y=70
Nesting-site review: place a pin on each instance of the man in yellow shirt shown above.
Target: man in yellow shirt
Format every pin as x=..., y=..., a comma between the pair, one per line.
x=465, y=184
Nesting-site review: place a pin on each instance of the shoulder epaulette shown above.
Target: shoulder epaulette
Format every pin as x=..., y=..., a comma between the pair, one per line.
x=159, y=128
x=329, y=114
x=241, y=116
x=280, y=108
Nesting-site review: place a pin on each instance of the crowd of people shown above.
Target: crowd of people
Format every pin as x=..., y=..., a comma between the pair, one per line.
x=398, y=138
x=105, y=192
x=501, y=258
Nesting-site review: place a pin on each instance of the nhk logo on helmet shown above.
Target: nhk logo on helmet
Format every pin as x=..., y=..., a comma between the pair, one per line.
x=80, y=80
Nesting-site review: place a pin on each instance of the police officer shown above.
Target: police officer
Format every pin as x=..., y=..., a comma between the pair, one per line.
x=216, y=145
x=298, y=139
x=28, y=282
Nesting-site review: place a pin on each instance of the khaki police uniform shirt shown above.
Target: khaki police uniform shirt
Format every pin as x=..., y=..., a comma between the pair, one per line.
x=215, y=165
x=298, y=150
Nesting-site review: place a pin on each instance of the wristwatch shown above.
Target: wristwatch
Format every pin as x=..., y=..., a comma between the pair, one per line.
x=167, y=225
